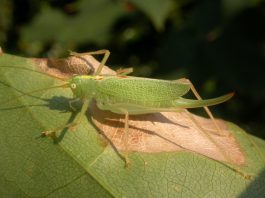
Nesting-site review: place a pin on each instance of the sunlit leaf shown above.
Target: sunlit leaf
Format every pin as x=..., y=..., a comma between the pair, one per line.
x=79, y=164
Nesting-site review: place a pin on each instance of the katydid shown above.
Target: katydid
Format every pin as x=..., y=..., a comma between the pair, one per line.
x=128, y=95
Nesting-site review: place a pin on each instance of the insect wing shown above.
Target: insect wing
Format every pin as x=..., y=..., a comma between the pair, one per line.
x=142, y=89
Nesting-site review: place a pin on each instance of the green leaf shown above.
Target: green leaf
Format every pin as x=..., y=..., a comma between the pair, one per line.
x=231, y=8
x=79, y=165
x=92, y=23
x=156, y=10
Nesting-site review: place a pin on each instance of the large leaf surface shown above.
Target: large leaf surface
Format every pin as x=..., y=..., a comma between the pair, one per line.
x=93, y=23
x=80, y=165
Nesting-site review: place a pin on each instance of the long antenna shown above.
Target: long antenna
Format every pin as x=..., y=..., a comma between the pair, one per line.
x=35, y=91
x=24, y=68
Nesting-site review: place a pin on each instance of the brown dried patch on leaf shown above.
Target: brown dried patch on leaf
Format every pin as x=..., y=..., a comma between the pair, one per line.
x=168, y=132
x=66, y=67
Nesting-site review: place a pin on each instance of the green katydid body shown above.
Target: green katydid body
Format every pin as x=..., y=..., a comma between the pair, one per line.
x=137, y=95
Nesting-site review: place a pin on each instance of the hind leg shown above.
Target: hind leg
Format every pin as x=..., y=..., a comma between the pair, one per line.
x=207, y=110
x=103, y=61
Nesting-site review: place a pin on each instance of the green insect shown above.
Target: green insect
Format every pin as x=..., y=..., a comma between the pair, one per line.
x=128, y=95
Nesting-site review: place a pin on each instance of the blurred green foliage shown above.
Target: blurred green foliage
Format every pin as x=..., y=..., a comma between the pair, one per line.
x=218, y=44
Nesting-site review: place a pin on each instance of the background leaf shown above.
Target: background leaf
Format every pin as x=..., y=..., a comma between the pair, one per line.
x=156, y=10
x=231, y=8
x=92, y=24
x=79, y=164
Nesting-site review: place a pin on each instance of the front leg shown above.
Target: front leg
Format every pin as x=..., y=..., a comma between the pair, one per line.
x=71, y=125
x=71, y=103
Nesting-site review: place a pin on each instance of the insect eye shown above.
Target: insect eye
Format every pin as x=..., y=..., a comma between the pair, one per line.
x=73, y=85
